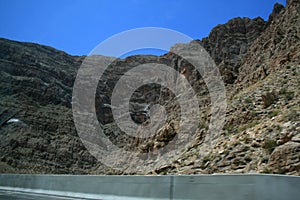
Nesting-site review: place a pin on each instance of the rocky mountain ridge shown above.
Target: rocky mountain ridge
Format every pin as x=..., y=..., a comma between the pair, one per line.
x=258, y=60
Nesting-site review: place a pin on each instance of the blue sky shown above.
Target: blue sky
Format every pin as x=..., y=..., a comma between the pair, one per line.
x=77, y=26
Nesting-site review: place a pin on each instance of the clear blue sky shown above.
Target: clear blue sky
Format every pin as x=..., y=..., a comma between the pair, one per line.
x=77, y=26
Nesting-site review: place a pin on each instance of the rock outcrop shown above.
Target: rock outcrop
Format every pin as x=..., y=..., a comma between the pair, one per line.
x=277, y=47
x=228, y=44
x=36, y=89
x=258, y=60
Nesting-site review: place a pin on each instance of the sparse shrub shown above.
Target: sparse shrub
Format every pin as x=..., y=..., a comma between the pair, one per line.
x=206, y=158
x=281, y=171
x=270, y=145
x=269, y=98
x=229, y=128
x=278, y=127
x=248, y=159
x=282, y=91
x=273, y=113
x=252, y=115
x=248, y=100
x=205, y=161
x=247, y=126
x=265, y=160
x=246, y=139
x=288, y=95
x=267, y=171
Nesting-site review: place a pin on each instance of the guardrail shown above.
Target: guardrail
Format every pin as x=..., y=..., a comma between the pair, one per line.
x=206, y=187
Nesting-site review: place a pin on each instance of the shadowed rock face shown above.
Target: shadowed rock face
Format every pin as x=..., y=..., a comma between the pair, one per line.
x=277, y=9
x=36, y=88
x=42, y=73
x=228, y=44
x=259, y=63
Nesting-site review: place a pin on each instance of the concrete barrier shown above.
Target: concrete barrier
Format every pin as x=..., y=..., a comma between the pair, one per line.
x=207, y=187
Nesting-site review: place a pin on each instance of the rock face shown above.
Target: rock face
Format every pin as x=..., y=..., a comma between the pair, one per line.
x=36, y=88
x=276, y=48
x=228, y=44
x=28, y=70
x=259, y=63
x=278, y=8
x=285, y=158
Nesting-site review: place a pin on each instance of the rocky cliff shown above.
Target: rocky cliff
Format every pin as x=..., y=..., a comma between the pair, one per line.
x=259, y=63
x=36, y=89
x=228, y=44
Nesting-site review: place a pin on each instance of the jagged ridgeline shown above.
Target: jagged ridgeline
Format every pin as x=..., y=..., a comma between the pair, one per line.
x=259, y=63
